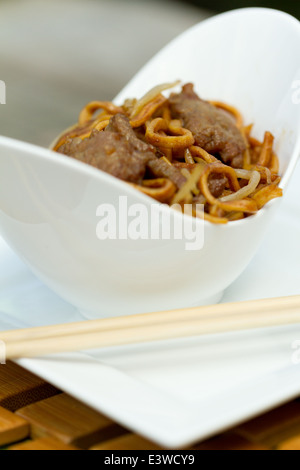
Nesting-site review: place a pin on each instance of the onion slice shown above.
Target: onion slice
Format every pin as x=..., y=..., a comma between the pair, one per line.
x=254, y=179
x=150, y=95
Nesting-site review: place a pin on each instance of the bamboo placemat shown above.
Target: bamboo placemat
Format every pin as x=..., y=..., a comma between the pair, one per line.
x=34, y=415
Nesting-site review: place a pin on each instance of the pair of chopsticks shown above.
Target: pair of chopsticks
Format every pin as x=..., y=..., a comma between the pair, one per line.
x=220, y=318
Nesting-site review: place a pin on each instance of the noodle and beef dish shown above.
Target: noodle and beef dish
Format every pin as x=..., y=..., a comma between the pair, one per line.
x=179, y=150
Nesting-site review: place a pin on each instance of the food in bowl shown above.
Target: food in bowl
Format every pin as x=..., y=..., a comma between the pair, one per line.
x=179, y=150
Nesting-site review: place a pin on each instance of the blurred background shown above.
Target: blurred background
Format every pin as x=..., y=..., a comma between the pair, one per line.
x=56, y=55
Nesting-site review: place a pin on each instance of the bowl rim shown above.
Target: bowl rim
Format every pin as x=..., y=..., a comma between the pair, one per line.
x=268, y=12
x=121, y=186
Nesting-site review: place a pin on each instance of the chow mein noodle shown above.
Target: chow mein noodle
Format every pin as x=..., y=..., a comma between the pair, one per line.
x=179, y=150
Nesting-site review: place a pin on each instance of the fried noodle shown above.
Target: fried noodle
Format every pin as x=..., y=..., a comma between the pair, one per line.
x=247, y=189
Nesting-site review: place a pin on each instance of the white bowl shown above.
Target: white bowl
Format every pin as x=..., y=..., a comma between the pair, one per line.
x=48, y=202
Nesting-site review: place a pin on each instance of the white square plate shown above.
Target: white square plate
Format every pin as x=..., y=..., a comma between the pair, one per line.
x=176, y=392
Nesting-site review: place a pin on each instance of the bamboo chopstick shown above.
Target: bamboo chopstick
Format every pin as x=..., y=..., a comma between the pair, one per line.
x=147, y=327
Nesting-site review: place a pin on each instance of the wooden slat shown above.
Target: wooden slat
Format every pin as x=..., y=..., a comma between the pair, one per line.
x=12, y=427
x=46, y=443
x=128, y=442
x=274, y=427
x=69, y=421
x=19, y=388
x=229, y=441
x=290, y=444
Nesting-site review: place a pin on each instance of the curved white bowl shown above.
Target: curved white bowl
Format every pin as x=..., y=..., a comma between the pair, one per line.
x=48, y=202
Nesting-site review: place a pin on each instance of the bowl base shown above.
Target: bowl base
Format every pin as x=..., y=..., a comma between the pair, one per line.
x=213, y=299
